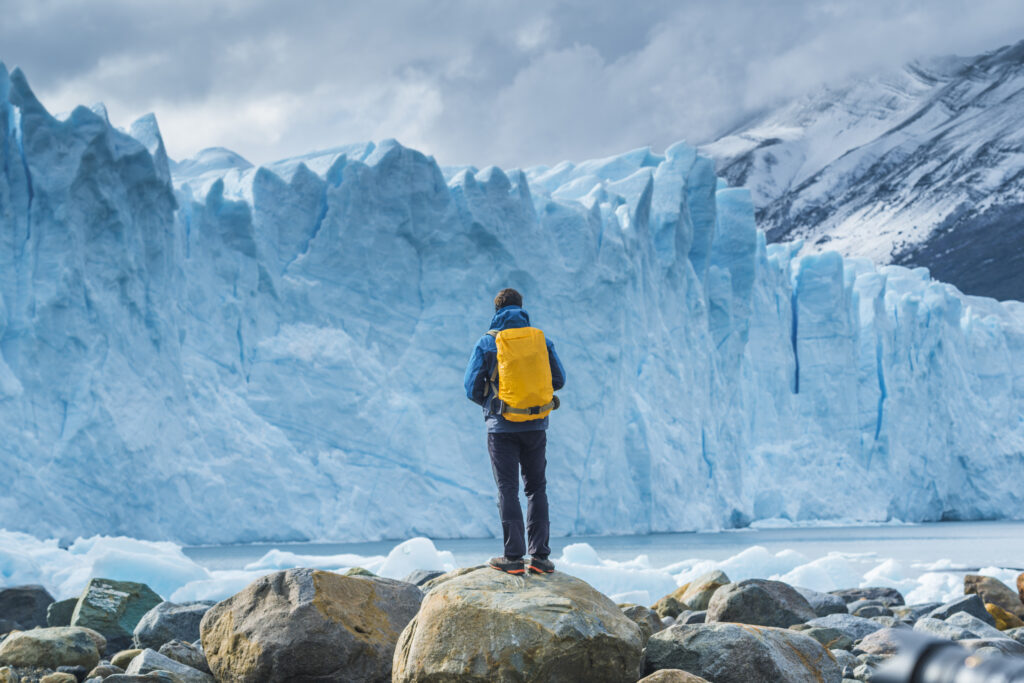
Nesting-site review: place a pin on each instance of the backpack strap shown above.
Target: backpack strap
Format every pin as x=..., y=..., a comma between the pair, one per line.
x=492, y=381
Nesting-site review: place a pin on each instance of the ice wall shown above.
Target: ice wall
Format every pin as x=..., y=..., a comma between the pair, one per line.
x=276, y=353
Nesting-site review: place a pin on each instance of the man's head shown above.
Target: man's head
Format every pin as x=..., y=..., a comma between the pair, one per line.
x=507, y=297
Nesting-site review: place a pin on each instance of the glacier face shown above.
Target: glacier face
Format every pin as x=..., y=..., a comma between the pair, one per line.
x=234, y=353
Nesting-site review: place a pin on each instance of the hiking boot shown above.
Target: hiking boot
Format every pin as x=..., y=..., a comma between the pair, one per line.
x=507, y=565
x=541, y=565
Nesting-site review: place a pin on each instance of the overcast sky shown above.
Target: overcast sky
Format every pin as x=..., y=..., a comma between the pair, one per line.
x=470, y=81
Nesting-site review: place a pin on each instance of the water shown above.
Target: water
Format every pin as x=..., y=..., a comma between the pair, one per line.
x=968, y=545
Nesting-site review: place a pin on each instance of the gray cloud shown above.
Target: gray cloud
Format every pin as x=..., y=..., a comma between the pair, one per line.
x=470, y=81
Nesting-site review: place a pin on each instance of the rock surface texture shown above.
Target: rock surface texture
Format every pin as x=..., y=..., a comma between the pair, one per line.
x=168, y=621
x=488, y=626
x=759, y=602
x=739, y=653
x=307, y=625
x=114, y=609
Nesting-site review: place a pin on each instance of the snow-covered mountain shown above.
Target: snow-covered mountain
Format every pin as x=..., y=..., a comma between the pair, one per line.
x=238, y=353
x=923, y=166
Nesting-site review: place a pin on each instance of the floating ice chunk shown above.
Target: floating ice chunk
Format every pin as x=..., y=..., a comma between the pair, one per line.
x=827, y=573
x=220, y=586
x=581, y=553
x=280, y=559
x=416, y=553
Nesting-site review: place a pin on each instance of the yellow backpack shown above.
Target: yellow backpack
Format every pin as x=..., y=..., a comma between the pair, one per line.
x=525, y=391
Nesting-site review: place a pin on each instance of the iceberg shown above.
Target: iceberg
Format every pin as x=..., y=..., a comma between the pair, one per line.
x=207, y=351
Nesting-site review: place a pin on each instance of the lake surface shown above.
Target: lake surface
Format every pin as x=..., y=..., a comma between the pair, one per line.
x=968, y=545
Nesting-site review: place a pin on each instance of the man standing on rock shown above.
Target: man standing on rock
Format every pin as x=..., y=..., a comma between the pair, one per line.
x=513, y=373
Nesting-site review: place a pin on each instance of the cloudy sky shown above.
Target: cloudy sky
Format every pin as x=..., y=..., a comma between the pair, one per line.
x=469, y=81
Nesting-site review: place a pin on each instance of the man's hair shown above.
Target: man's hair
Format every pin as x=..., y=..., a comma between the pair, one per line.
x=507, y=297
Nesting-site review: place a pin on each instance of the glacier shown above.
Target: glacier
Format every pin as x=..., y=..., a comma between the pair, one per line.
x=212, y=352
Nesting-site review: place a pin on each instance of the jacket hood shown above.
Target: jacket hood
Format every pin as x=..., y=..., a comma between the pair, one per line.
x=510, y=316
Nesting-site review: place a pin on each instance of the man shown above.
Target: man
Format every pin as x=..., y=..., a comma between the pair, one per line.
x=513, y=373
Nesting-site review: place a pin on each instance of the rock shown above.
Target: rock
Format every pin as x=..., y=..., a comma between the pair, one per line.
x=154, y=677
x=846, y=661
x=1004, y=620
x=672, y=676
x=125, y=657
x=855, y=627
x=887, y=596
x=1005, y=646
x=670, y=605
x=339, y=623
x=114, y=608
x=7, y=675
x=644, y=617
x=759, y=602
x=667, y=621
x=691, y=617
x=150, y=660
x=1015, y=633
x=881, y=642
x=484, y=625
x=421, y=576
x=169, y=621
x=50, y=647
x=104, y=670
x=59, y=677
x=912, y=613
x=59, y=613
x=1020, y=586
x=890, y=622
x=699, y=591
x=976, y=626
x=830, y=638
x=971, y=604
x=737, y=653
x=186, y=653
x=940, y=629
x=358, y=571
x=79, y=672
x=24, y=606
x=995, y=592
x=823, y=604
x=870, y=611
x=454, y=574
x=863, y=672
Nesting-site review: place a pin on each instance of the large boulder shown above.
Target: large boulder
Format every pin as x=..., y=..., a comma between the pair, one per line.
x=51, y=647
x=24, y=606
x=114, y=608
x=308, y=625
x=971, y=604
x=484, y=625
x=738, y=653
x=150, y=661
x=759, y=602
x=169, y=621
x=973, y=624
x=995, y=592
x=855, y=627
x=887, y=596
x=823, y=604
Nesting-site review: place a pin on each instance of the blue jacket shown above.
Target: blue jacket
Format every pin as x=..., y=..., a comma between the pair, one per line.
x=481, y=365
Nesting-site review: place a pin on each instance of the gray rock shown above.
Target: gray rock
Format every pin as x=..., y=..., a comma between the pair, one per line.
x=831, y=638
x=887, y=596
x=869, y=611
x=51, y=647
x=1005, y=646
x=485, y=625
x=759, y=602
x=971, y=604
x=672, y=676
x=736, y=653
x=644, y=617
x=114, y=608
x=338, y=623
x=940, y=629
x=154, y=677
x=890, y=622
x=186, y=653
x=169, y=621
x=912, y=613
x=421, y=576
x=24, y=606
x=150, y=661
x=881, y=642
x=1015, y=634
x=668, y=621
x=693, y=617
x=969, y=622
x=59, y=613
x=823, y=604
x=863, y=672
x=79, y=672
x=103, y=670
x=846, y=661
x=855, y=627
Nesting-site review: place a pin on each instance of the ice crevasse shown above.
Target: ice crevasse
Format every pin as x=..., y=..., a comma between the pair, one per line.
x=211, y=352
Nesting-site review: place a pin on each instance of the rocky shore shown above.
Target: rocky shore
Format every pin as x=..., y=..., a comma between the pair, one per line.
x=476, y=624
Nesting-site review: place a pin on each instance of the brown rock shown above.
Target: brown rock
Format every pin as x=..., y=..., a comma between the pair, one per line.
x=50, y=648
x=699, y=591
x=1020, y=586
x=59, y=677
x=672, y=676
x=994, y=591
x=1004, y=620
x=123, y=658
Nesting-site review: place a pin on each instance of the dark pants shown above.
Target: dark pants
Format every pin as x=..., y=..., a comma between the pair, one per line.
x=511, y=451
